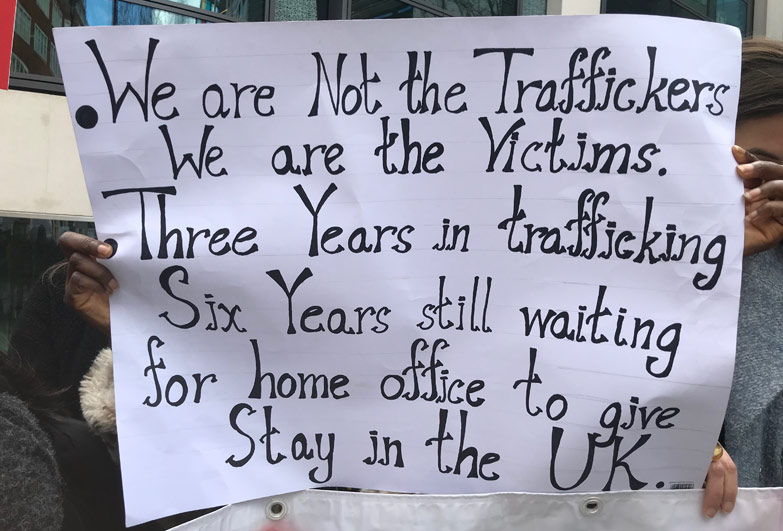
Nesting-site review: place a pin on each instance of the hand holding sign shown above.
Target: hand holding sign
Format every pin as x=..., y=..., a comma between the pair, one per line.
x=88, y=283
x=720, y=488
x=763, y=182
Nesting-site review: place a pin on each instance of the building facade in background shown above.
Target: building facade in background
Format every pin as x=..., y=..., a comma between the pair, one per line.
x=737, y=13
x=33, y=49
x=44, y=193
x=34, y=52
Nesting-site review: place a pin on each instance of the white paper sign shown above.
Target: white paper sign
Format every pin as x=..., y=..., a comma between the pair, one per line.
x=445, y=256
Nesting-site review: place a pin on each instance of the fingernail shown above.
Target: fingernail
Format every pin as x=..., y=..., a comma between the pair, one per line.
x=745, y=169
x=113, y=285
x=752, y=193
x=105, y=250
x=752, y=215
x=710, y=512
x=737, y=150
x=727, y=507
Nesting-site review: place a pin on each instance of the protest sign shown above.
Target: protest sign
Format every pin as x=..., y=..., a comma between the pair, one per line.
x=493, y=255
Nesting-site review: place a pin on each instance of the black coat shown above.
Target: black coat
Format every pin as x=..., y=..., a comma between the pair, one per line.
x=92, y=490
x=58, y=344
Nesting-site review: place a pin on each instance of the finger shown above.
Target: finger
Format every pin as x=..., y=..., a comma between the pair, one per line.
x=79, y=263
x=71, y=242
x=750, y=206
x=80, y=294
x=761, y=170
x=713, y=491
x=745, y=157
x=742, y=156
x=770, y=209
x=730, y=486
x=81, y=284
x=768, y=190
x=754, y=198
x=69, y=268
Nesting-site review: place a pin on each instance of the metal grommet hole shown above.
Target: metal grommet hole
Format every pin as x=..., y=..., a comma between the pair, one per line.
x=591, y=506
x=276, y=510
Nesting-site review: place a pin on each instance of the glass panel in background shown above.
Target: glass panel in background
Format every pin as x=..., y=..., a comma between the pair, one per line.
x=734, y=12
x=474, y=8
x=22, y=23
x=247, y=10
x=363, y=9
x=461, y=8
x=704, y=8
x=127, y=14
x=533, y=7
x=28, y=247
x=647, y=7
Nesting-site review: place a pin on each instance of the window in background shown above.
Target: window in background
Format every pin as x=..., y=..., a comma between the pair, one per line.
x=364, y=9
x=53, y=63
x=476, y=8
x=17, y=65
x=57, y=16
x=703, y=8
x=22, y=24
x=44, y=6
x=734, y=12
x=126, y=14
x=533, y=7
x=27, y=248
x=40, y=42
x=245, y=10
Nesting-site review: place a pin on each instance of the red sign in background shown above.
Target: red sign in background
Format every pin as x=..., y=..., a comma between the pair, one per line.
x=7, y=13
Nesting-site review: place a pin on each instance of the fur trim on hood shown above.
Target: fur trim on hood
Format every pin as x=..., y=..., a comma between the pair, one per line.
x=96, y=393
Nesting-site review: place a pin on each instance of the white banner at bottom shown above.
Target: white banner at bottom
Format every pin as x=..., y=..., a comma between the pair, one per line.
x=322, y=510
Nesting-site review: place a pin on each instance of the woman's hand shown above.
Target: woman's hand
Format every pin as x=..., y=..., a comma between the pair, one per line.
x=88, y=284
x=720, y=488
x=763, y=201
